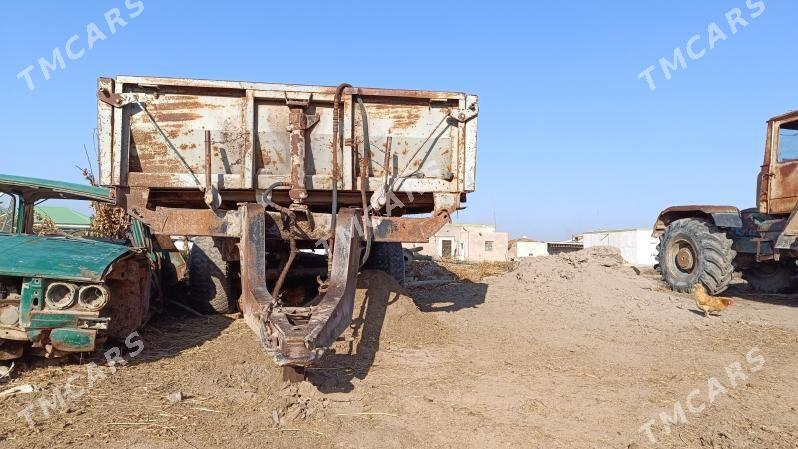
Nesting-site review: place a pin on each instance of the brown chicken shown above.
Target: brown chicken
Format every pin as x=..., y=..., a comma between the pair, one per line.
x=709, y=303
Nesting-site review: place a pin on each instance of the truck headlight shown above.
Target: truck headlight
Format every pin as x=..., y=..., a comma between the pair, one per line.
x=60, y=295
x=93, y=297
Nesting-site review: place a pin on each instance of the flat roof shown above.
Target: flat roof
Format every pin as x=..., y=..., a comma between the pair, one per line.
x=604, y=231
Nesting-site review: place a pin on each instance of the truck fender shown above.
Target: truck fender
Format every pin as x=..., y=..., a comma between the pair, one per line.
x=720, y=216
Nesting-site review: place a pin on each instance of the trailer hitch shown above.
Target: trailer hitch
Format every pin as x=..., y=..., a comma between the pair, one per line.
x=298, y=336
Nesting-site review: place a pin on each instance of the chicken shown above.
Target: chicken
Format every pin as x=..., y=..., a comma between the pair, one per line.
x=709, y=303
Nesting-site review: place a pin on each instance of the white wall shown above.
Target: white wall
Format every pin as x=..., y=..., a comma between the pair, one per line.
x=637, y=246
x=468, y=243
x=529, y=249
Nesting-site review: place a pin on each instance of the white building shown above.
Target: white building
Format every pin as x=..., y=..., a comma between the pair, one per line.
x=525, y=247
x=637, y=245
x=466, y=242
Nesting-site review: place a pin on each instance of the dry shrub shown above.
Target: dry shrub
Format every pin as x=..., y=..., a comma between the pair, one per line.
x=475, y=272
x=45, y=225
x=109, y=221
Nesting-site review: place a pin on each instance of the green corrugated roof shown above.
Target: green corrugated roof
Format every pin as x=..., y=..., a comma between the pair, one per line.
x=63, y=216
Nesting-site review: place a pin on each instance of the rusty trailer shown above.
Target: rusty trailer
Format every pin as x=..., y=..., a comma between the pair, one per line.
x=260, y=172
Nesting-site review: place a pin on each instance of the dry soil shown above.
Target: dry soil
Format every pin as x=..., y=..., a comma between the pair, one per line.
x=572, y=351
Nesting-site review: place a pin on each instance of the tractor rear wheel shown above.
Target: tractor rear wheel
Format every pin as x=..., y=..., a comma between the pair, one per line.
x=777, y=277
x=691, y=251
x=209, y=277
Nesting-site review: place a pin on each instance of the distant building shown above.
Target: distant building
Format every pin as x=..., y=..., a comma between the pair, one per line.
x=637, y=245
x=568, y=246
x=525, y=247
x=67, y=220
x=466, y=242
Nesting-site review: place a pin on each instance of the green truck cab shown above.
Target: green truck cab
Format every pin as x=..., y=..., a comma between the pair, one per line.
x=61, y=294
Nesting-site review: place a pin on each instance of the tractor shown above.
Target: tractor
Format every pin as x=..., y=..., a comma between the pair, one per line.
x=707, y=244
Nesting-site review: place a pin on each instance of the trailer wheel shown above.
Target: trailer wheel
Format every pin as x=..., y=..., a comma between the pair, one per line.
x=692, y=251
x=387, y=257
x=771, y=277
x=209, y=277
x=409, y=256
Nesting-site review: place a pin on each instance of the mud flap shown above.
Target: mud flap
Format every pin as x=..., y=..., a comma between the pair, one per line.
x=297, y=336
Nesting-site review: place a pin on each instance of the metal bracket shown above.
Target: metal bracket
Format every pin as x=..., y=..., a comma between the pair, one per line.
x=298, y=124
x=212, y=197
x=301, y=102
x=116, y=100
x=464, y=115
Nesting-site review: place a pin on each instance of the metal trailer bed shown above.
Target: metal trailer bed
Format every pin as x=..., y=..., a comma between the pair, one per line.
x=267, y=169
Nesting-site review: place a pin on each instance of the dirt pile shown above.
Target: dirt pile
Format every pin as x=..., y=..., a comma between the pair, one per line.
x=567, y=265
x=595, y=274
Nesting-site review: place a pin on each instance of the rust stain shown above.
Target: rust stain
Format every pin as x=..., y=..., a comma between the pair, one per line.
x=402, y=116
x=187, y=103
x=176, y=116
x=784, y=185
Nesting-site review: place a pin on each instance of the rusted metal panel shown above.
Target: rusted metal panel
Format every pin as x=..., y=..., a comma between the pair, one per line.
x=153, y=137
x=118, y=128
x=763, y=180
x=184, y=120
x=781, y=177
x=192, y=222
x=787, y=116
x=677, y=212
x=105, y=113
x=73, y=340
x=249, y=168
x=783, y=187
x=470, y=175
x=279, y=87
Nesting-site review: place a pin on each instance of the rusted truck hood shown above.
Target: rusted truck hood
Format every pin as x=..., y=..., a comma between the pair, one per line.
x=57, y=257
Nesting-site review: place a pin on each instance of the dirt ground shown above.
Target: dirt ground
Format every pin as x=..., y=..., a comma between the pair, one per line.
x=573, y=351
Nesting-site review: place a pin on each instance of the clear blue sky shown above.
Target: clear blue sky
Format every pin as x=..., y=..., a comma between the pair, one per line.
x=570, y=139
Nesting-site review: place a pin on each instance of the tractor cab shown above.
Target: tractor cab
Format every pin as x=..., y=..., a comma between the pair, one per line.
x=778, y=181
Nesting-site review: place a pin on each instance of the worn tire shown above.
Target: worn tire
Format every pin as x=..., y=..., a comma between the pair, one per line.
x=779, y=277
x=387, y=257
x=409, y=256
x=705, y=255
x=209, y=277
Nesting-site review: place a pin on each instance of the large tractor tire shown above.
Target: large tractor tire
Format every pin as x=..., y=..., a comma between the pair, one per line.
x=387, y=257
x=209, y=277
x=692, y=251
x=775, y=277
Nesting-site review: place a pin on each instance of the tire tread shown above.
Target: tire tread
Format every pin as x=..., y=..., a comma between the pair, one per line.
x=716, y=255
x=209, y=278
